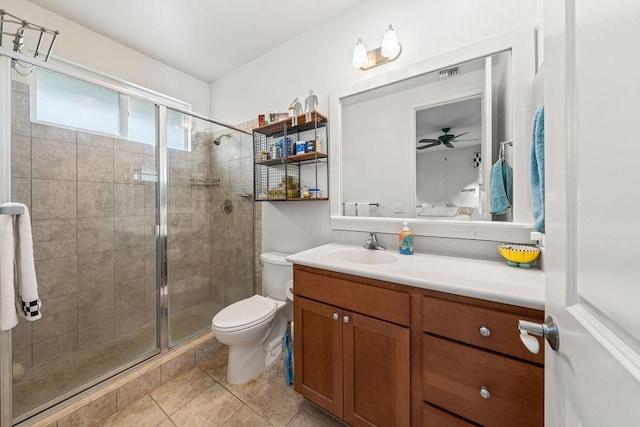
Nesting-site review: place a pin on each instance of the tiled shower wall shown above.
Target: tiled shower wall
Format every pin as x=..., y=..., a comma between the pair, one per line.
x=93, y=242
x=93, y=247
x=233, y=233
x=247, y=170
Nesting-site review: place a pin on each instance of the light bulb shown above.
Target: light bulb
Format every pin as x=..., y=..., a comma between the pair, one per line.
x=360, y=58
x=390, y=45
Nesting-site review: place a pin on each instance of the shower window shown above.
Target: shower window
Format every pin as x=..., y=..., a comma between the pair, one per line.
x=141, y=121
x=73, y=103
x=64, y=101
x=178, y=130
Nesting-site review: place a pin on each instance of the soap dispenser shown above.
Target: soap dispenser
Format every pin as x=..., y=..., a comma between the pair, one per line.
x=405, y=238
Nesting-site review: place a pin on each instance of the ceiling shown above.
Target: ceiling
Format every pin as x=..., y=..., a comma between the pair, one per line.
x=460, y=116
x=204, y=38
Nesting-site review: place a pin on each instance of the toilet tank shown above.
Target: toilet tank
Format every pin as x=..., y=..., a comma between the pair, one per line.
x=276, y=272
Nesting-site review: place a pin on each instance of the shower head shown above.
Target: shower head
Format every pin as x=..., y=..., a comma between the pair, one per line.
x=218, y=140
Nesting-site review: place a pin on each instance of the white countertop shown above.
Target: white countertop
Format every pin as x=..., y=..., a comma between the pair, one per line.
x=488, y=280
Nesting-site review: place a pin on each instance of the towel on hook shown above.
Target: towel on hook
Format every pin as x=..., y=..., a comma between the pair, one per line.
x=537, y=169
x=28, y=291
x=501, y=187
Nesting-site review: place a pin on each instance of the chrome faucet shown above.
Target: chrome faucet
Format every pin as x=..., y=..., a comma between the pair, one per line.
x=372, y=243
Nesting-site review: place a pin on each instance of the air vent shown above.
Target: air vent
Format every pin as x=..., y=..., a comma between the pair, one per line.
x=449, y=72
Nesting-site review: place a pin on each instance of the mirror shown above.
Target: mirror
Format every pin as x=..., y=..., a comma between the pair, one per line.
x=449, y=160
x=483, y=94
x=443, y=128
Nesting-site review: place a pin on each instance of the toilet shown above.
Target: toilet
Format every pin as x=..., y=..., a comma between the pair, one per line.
x=253, y=328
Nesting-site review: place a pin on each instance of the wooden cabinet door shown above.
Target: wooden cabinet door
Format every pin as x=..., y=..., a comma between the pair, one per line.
x=318, y=354
x=376, y=372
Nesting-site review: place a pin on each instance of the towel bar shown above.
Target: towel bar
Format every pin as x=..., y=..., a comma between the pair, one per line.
x=11, y=210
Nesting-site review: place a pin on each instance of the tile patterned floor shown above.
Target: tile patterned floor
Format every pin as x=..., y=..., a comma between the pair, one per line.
x=202, y=397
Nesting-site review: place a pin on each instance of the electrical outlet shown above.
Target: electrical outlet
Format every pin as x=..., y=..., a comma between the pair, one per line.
x=398, y=208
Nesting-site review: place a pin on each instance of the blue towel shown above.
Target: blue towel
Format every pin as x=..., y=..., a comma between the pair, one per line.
x=288, y=359
x=537, y=169
x=501, y=187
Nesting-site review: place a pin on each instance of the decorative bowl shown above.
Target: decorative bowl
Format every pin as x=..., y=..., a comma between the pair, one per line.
x=518, y=254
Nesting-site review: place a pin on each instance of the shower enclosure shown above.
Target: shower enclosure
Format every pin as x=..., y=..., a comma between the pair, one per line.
x=142, y=225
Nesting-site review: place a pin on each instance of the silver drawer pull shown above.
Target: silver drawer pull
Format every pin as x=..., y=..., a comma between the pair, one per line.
x=484, y=331
x=335, y=316
x=346, y=319
x=484, y=392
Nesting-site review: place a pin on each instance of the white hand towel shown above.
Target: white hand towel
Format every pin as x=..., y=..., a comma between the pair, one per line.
x=28, y=283
x=350, y=209
x=28, y=292
x=8, y=317
x=363, y=209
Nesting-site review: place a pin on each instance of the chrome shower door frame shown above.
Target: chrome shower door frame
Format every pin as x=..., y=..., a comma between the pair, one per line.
x=6, y=357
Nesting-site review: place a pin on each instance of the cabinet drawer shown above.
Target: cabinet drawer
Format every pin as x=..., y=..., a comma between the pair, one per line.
x=385, y=304
x=462, y=322
x=434, y=417
x=454, y=375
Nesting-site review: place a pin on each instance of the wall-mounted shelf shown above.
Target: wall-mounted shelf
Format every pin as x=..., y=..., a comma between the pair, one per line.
x=279, y=173
x=301, y=124
x=307, y=157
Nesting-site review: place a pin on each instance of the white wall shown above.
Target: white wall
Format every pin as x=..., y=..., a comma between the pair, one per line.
x=91, y=50
x=320, y=59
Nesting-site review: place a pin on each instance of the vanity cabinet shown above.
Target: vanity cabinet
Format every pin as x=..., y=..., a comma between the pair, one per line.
x=352, y=347
x=373, y=352
x=279, y=173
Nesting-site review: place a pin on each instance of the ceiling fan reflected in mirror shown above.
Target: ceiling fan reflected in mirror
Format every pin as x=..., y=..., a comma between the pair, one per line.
x=445, y=140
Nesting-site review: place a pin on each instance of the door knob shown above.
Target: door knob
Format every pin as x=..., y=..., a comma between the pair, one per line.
x=548, y=330
x=335, y=316
x=346, y=319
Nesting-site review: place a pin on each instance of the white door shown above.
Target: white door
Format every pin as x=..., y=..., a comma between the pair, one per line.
x=592, y=139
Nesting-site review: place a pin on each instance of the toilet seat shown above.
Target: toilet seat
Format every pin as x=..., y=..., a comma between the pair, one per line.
x=244, y=314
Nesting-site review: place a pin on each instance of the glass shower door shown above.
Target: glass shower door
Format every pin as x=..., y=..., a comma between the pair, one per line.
x=84, y=160
x=210, y=222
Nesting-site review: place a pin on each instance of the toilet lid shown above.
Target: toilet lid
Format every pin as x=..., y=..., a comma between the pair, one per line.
x=244, y=314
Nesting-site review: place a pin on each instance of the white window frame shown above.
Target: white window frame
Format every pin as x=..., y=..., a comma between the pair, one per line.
x=123, y=109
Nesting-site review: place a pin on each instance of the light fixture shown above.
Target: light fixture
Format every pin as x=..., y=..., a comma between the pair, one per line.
x=360, y=58
x=389, y=51
x=390, y=45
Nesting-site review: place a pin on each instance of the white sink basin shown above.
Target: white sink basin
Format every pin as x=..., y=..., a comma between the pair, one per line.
x=363, y=256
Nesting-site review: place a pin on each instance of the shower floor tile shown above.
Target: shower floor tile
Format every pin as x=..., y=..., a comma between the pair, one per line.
x=40, y=384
